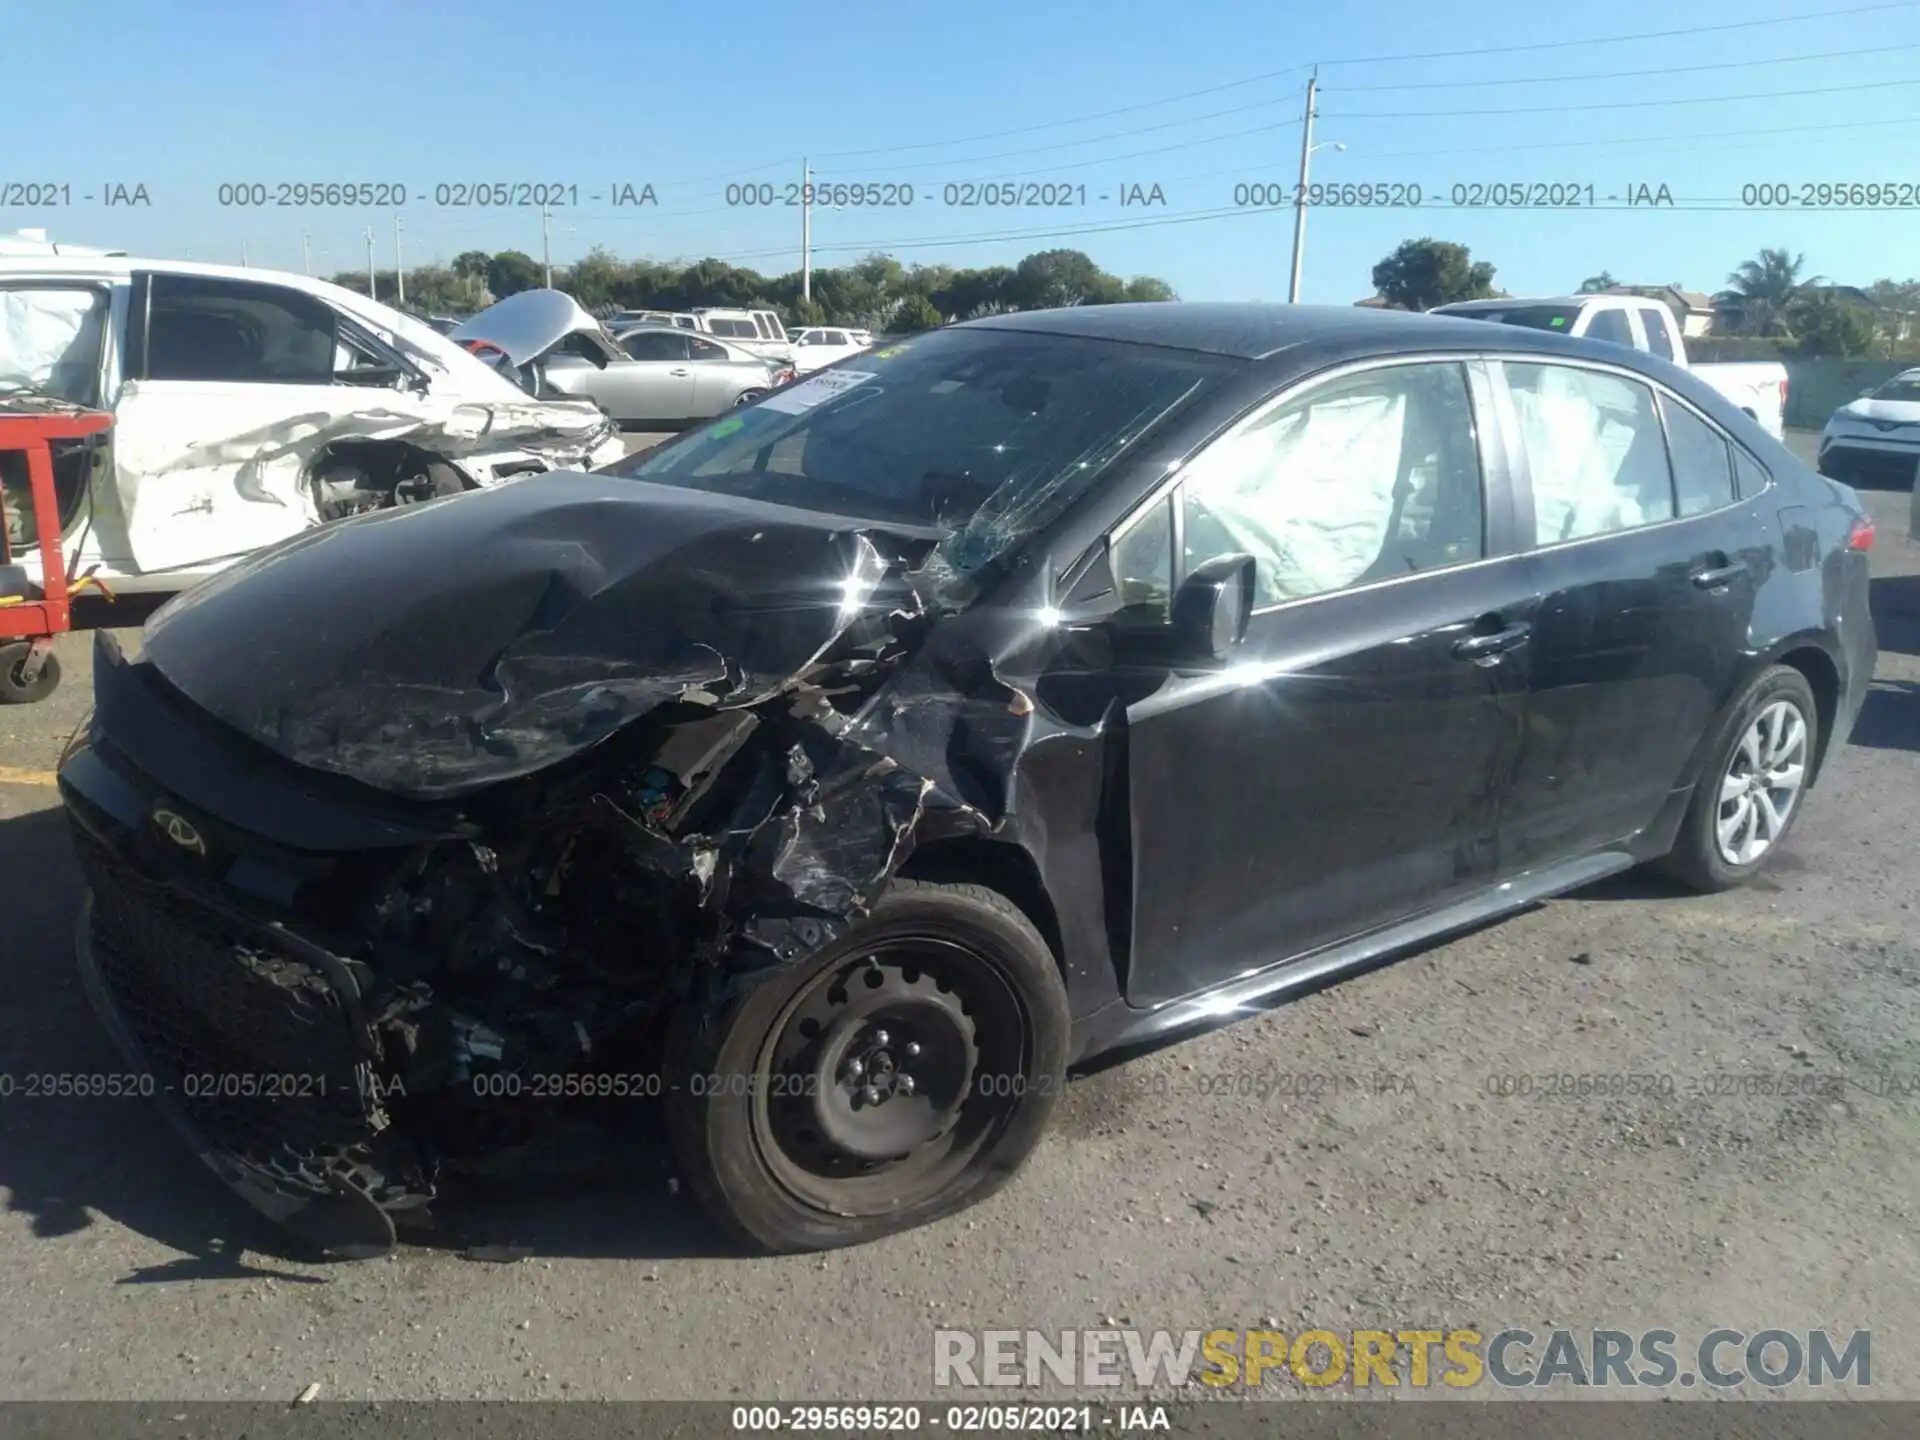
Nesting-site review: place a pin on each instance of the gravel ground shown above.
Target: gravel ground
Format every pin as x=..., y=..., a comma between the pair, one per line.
x=1422, y=1199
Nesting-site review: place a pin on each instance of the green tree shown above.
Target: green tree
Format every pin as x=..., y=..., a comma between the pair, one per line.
x=471, y=264
x=1766, y=290
x=1830, y=326
x=1594, y=284
x=1149, y=287
x=1423, y=273
x=915, y=313
x=594, y=278
x=510, y=272
x=1053, y=279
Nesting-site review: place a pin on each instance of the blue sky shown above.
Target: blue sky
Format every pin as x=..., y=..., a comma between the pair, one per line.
x=182, y=97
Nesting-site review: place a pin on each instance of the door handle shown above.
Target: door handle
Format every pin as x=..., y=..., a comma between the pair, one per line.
x=1487, y=649
x=682, y=370
x=1720, y=576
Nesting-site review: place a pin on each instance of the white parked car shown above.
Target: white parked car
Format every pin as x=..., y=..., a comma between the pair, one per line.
x=1876, y=437
x=1760, y=389
x=759, y=331
x=250, y=404
x=821, y=345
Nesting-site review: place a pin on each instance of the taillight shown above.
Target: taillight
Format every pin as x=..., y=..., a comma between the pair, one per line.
x=1861, y=536
x=1783, y=397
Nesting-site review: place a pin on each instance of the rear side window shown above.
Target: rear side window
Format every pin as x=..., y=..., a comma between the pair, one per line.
x=1659, y=338
x=657, y=345
x=1747, y=470
x=1611, y=326
x=733, y=329
x=227, y=330
x=1702, y=461
x=1595, y=451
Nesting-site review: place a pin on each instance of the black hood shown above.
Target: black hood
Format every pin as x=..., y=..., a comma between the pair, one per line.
x=431, y=650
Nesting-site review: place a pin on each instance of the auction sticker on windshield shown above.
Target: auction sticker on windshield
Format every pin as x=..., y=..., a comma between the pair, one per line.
x=799, y=399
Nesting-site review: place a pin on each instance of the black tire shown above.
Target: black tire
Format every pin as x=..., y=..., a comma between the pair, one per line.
x=14, y=689
x=962, y=969
x=1696, y=859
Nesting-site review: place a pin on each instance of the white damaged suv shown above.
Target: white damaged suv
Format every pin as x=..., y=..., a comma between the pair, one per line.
x=250, y=404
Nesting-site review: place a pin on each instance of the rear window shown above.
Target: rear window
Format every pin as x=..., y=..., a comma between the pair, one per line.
x=733, y=329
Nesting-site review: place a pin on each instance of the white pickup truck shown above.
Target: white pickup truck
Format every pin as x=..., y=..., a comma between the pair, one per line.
x=1758, y=388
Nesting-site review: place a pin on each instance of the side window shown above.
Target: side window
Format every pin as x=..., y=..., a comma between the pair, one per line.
x=1594, y=450
x=657, y=345
x=1659, y=338
x=833, y=337
x=1748, y=471
x=1702, y=466
x=227, y=330
x=706, y=349
x=1143, y=567
x=1363, y=479
x=50, y=341
x=1611, y=326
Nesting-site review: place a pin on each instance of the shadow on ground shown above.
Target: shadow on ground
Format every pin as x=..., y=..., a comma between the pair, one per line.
x=69, y=1161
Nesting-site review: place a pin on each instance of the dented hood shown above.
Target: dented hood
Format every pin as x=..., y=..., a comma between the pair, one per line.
x=430, y=650
x=527, y=325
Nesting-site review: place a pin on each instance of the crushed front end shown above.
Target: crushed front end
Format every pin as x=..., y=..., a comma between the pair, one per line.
x=348, y=994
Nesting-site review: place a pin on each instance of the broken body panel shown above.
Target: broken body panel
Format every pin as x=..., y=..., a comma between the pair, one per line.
x=230, y=437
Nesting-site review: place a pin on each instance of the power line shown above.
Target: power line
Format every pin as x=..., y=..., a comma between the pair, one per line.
x=1625, y=39
x=1372, y=60
x=1627, y=74
x=1618, y=104
x=1645, y=139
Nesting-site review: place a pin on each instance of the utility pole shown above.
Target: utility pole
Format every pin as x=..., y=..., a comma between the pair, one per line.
x=373, y=286
x=1300, y=199
x=546, y=243
x=243, y=255
x=806, y=231
x=399, y=270
x=306, y=253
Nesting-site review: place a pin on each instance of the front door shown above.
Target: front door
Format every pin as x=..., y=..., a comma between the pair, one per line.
x=1346, y=769
x=1647, y=562
x=231, y=387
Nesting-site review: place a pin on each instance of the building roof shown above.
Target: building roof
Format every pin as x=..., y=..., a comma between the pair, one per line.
x=1692, y=300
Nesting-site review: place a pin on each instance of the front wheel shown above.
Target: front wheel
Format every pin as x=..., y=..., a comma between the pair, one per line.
x=902, y=1074
x=1750, y=792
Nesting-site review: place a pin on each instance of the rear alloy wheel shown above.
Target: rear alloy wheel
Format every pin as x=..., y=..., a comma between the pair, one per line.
x=1749, y=795
x=904, y=1073
x=15, y=688
x=749, y=397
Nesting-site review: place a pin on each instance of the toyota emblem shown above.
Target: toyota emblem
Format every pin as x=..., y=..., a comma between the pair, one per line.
x=180, y=831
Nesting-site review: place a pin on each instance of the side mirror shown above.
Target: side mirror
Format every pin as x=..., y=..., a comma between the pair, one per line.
x=1212, y=607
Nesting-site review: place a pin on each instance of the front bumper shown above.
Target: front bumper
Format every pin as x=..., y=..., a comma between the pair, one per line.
x=255, y=1044
x=1885, y=459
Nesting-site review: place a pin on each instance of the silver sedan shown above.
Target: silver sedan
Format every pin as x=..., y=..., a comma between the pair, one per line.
x=659, y=375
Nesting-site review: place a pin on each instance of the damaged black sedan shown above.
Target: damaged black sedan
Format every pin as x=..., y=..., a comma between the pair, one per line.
x=835, y=776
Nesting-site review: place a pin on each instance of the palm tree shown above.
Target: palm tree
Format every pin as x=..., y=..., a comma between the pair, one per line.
x=1766, y=291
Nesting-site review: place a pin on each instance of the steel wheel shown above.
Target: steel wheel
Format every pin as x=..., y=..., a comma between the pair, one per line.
x=1762, y=783
x=887, y=1074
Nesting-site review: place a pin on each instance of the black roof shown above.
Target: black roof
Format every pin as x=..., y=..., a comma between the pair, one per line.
x=1254, y=331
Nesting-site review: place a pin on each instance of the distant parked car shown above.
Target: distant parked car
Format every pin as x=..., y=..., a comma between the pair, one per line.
x=651, y=374
x=1876, y=437
x=821, y=345
x=757, y=330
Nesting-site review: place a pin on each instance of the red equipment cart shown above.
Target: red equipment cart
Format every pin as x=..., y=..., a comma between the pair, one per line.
x=32, y=614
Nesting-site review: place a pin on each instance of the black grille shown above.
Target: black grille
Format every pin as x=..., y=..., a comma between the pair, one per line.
x=253, y=1043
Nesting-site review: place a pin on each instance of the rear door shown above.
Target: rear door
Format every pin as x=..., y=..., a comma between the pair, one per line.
x=718, y=379
x=231, y=386
x=1649, y=565
x=1346, y=771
